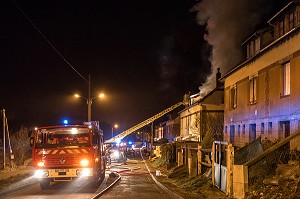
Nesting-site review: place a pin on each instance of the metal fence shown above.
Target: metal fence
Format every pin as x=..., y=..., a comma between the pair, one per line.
x=266, y=163
x=248, y=152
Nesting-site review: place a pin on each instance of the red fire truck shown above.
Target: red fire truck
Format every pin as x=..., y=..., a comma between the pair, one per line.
x=68, y=152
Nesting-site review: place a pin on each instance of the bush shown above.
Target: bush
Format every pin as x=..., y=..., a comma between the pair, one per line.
x=20, y=146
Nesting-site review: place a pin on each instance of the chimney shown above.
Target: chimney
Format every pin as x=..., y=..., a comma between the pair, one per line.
x=186, y=99
x=218, y=76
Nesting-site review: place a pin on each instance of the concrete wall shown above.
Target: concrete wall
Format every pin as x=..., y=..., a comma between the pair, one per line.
x=240, y=181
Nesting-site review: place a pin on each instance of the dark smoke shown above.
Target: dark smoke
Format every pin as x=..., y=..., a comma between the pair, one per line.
x=228, y=23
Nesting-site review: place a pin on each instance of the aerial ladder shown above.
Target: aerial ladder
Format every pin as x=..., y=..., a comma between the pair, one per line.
x=142, y=124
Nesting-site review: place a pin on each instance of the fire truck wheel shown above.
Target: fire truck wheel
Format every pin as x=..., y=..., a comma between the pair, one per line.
x=44, y=184
x=103, y=169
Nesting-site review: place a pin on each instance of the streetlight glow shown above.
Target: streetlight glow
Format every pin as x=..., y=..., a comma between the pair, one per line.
x=115, y=126
x=89, y=101
x=101, y=95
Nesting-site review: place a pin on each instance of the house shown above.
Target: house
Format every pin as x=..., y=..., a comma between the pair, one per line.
x=204, y=114
x=168, y=130
x=262, y=94
x=172, y=129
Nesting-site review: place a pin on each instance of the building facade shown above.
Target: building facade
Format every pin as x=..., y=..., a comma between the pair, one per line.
x=262, y=95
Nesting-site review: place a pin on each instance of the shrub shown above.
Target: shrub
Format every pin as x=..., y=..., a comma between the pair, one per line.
x=20, y=146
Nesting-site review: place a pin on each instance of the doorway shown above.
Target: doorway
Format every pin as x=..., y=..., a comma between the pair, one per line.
x=252, y=132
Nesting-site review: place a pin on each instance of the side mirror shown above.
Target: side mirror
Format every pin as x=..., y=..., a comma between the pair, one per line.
x=30, y=133
x=51, y=137
x=95, y=139
x=31, y=141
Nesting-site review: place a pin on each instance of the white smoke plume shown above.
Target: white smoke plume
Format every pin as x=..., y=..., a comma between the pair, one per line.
x=228, y=24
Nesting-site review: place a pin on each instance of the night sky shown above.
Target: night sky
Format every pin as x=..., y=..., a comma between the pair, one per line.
x=144, y=55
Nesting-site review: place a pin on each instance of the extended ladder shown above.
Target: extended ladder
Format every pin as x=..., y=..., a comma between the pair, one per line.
x=144, y=123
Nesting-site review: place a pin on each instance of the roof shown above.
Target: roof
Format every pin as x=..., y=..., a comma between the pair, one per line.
x=296, y=30
x=262, y=52
x=219, y=88
x=258, y=33
x=283, y=10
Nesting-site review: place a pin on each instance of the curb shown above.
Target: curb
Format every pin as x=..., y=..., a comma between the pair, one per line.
x=166, y=189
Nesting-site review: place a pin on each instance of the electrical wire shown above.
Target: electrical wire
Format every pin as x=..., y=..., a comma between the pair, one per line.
x=52, y=46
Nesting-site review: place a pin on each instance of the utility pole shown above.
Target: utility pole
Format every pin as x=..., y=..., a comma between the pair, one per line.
x=3, y=116
x=152, y=138
x=89, y=101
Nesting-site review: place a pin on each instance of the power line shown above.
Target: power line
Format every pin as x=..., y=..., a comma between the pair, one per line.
x=52, y=46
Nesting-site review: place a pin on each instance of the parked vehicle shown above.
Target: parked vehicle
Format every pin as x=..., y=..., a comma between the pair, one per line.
x=117, y=154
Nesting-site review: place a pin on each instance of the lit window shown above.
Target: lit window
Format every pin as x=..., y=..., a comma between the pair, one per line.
x=233, y=97
x=252, y=90
x=286, y=79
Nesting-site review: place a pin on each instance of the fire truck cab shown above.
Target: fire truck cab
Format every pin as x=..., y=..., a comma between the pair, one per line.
x=68, y=152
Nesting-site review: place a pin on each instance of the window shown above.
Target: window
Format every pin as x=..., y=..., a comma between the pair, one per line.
x=286, y=79
x=233, y=97
x=252, y=50
x=232, y=132
x=244, y=129
x=257, y=45
x=291, y=21
x=252, y=90
x=239, y=129
x=281, y=28
x=248, y=51
x=269, y=127
x=262, y=128
x=225, y=129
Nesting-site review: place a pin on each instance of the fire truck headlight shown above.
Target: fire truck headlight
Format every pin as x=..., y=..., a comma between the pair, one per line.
x=83, y=172
x=84, y=163
x=116, y=154
x=41, y=164
x=86, y=172
x=41, y=173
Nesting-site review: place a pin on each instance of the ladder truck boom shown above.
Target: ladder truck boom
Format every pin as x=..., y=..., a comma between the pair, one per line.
x=144, y=123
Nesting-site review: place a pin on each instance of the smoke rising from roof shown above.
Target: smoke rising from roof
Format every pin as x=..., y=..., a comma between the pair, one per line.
x=228, y=23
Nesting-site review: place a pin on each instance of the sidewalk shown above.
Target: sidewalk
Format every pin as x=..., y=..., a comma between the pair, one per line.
x=12, y=179
x=183, y=186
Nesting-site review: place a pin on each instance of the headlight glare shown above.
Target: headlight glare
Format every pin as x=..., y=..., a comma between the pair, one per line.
x=41, y=173
x=84, y=162
x=41, y=164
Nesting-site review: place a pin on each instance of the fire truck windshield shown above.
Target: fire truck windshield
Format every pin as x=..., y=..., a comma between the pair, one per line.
x=62, y=137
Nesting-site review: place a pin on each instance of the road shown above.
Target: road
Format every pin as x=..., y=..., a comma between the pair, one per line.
x=136, y=182
x=57, y=190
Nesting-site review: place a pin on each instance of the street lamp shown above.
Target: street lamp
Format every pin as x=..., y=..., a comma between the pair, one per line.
x=89, y=102
x=112, y=129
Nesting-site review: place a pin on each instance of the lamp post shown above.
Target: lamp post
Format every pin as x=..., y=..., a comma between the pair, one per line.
x=112, y=129
x=89, y=102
